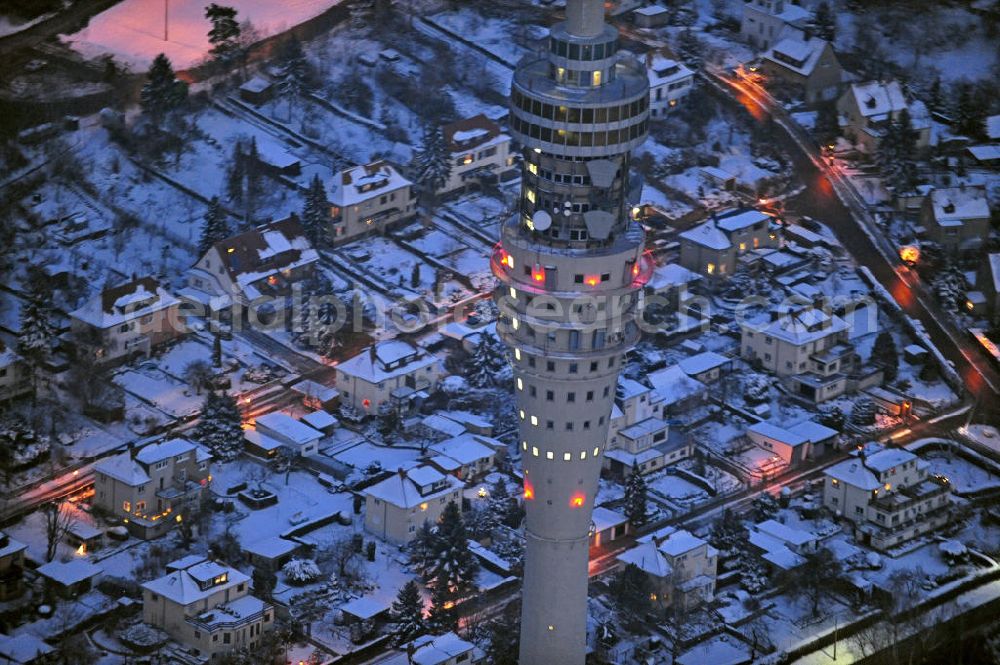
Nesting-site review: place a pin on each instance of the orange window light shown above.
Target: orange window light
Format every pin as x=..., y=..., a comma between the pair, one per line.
x=592, y=280
x=366, y=403
x=538, y=273
x=576, y=501
x=529, y=491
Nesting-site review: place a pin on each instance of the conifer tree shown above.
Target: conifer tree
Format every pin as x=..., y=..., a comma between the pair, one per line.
x=433, y=161
x=896, y=154
x=37, y=333
x=220, y=427
x=316, y=212
x=162, y=92
x=224, y=34
x=488, y=363
x=236, y=174
x=422, y=549
x=215, y=228
x=454, y=567
x=823, y=23
x=970, y=115
x=885, y=355
x=408, y=613
x=636, y=508
x=728, y=534
x=294, y=78
x=217, y=351
x=443, y=617
x=689, y=48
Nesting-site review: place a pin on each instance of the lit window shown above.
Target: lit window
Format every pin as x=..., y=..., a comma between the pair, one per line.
x=534, y=420
x=583, y=454
x=576, y=501
x=532, y=168
x=530, y=195
x=549, y=454
x=514, y=323
x=520, y=384
x=513, y=292
x=423, y=506
x=521, y=413
x=743, y=247
x=710, y=268
x=534, y=451
x=567, y=457
x=596, y=451
x=597, y=77
x=551, y=627
x=127, y=507
x=517, y=354
x=524, y=445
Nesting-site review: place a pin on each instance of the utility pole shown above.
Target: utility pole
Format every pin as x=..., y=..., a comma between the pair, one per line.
x=166, y=10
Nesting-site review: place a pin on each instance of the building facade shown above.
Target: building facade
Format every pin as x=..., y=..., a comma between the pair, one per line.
x=570, y=264
x=866, y=109
x=15, y=375
x=399, y=505
x=712, y=248
x=127, y=321
x=388, y=375
x=888, y=495
x=369, y=198
x=806, y=65
x=206, y=606
x=764, y=20
x=957, y=218
x=151, y=489
x=478, y=150
x=669, y=83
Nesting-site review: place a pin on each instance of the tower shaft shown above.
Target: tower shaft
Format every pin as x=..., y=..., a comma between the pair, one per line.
x=570, y=264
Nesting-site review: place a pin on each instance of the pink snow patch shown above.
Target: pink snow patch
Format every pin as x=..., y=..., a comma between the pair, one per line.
x=132, y=30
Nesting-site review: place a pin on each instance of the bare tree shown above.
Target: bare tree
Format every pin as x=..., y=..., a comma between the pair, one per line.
x=198, y=373
x=346, y=559
x=58, y=521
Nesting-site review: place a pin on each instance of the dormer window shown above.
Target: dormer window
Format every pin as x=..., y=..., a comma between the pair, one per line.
x=949, y=207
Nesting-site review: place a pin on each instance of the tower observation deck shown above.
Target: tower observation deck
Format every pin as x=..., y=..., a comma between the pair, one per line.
x=570, y=263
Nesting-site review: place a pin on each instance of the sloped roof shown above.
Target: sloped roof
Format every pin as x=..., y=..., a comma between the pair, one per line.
x=122, y=467
x=648, y=559
x=875, y=98
x=360, y=183
x=674, y=385
x=797, y=54
x=401, y=489
x=181, y=586
x=663, y=71
x=367, y=366
x=468, y=133
x=126, y=302
x=707, y=235
x=157, y=452
x=680, y=542
x=267, y=250
x=735, y=220
x=464, y=448
x=957, y=204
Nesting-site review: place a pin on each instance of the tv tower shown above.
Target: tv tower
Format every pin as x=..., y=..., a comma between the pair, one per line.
x=571, y=264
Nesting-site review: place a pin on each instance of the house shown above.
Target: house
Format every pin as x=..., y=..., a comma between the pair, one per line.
x=765, y=20
x=15, y=375
x=707, y=366
x=273, y=552
x=207, y=607
x=474, y=454
x=638, y=435
x=988, y=283
x=865, y=110
x=681, y=567
x=986, y=155
x=151, y=488
x=957, y=218
x=780, y=546
x=651, y=16
x=69, y=579
x=805, y=65
x=24, y=649
x=257, y=91
x=478, y=150
x=679, y=392
x=127, y=321
x=321, y=421
x=447, y=649
x=609, y=526
x=388, y=375
x=888, y=494
x=370, y=197
x=256, y=267
x=669, y=83
x=804, y=345
x=793, y=444
x=290, y=433
x=396, y=507
x=11, y=567
x=316, y=395
x=713, y=247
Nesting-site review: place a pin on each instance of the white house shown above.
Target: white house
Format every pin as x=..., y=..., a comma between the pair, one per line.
x=474, y=454
x=764, y=20
x=669, y=83
x=127, y=321
x=369, y=197
x=288, y=432
x=390, y=374
x=396, y=507
x=253, y=267
x=866, y=109
x=478, y=150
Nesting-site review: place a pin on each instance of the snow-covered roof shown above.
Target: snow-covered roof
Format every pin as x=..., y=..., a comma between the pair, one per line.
x=163, y=450
x=875, y=98
x=671, y=274
x=437, y=422
x=813, y=431
x=797, y=54
x=311, y=388
x=799, y=327
x=707, y=235
x=122, y=467
x=22, y=648
x=648, y=559
x=674, y=385
x=185, y=586
x=127, y=302
x=680, y=542
x=468, y=133
x=785, y=533
x=986, y=152
x=360, y=183
x=779, y=434
x=854, y=473
x=886, y=459
x=256, y=84
x=271, y=548
x=441, y=649
x=629, y=388
x=467, y=419
x=789, y=13
x=774, y=550
x=702, y=362
x=643, y=428
x=319, y=420
x=70, y=572
x=289, y=428
x=954, y=205
x=663, y=71
x=650, y=10
x=366, y=607
x=10, y=546
x=465, y=448
x=371, y=365
x=993, y=127
x=265, y=252
x=605, y=518
x=402, y=489
x=736, y=219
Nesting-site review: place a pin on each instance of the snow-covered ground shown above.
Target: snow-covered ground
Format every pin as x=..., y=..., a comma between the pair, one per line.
x=133, y=30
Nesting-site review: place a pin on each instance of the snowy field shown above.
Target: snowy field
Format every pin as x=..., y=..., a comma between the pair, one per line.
x=133, y=30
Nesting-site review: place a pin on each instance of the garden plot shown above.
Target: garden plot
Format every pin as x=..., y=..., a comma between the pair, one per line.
x=499, y=36
x=363, y=456
x=480, y=212
x=675, y=489
x=964, y=475
x=392, y=265
x=155, y=387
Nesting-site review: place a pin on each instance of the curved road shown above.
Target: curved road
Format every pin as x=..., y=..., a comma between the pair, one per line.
x=820, y=200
